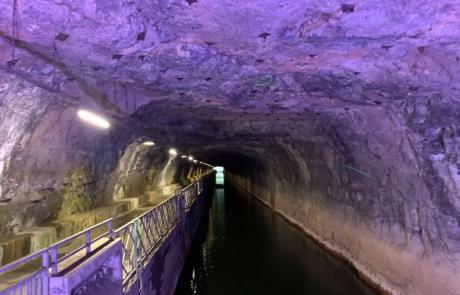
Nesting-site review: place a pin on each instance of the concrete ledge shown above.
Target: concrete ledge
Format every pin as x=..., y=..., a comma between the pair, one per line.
x=12, y=248
x=37, y=238
x=150, y=196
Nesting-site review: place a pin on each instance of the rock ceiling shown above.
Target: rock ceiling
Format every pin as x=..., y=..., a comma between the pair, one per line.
x=235, y=59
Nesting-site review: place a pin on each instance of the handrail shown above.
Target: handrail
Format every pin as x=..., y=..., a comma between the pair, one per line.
x=188, y=186
x=140, y=237
x=88, y=242
x=38, y=282
x=66, y=240
x=144, y=233
x=154, y=225
x=158, y=205
x=15, y=263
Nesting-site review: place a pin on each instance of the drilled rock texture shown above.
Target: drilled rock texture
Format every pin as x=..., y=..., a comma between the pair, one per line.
x=229, y=55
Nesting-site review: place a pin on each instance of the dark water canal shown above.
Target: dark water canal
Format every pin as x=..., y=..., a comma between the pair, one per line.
x=241, y=247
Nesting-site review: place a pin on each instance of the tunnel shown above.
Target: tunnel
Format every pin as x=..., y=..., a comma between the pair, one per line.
x=336, y=119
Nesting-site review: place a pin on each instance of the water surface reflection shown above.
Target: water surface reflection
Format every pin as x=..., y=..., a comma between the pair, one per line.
x=241, y=247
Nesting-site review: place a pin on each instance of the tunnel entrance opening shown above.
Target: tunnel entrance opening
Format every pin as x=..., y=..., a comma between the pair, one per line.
x=219, y=176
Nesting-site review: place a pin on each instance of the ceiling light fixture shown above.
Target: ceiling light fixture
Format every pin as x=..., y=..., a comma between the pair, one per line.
x=190, y=158
x=183, y=156
x=94, y=119
x=173, y=152
x=147, y=141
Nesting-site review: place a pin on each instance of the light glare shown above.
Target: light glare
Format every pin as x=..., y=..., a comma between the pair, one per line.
x=190, y=158
x=173, y=152
x=148, y=143
x=184, y=156
x=94, y=119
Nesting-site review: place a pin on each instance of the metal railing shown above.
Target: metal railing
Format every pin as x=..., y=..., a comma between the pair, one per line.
x=37, y=283
x=178, y=191
x=88, y=242
x=192, y=191
x=140, y=237
x=145, y=233
x=189, y=193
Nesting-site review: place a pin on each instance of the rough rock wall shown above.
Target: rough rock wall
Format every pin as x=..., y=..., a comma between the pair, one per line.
x=22, y=107
x=52, y=164
x=378, y=186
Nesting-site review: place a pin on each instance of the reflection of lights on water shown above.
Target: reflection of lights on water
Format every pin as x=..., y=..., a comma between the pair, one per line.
x=193, y=283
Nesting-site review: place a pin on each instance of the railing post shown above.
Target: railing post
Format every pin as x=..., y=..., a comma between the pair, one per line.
x=88, y=241
x=181, y=203
x=34, y=286
x=139, y=241
x=195, y=189
x=178, y=191
x=110, y=230
x=46, y=274
x=54, y=267
x=45, y=259
x=177, y=200
x=136, y=253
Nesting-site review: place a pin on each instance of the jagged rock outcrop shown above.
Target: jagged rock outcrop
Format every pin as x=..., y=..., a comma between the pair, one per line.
x=54, y=165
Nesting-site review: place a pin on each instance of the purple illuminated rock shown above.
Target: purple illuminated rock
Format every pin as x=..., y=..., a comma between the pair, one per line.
x=285, y=94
